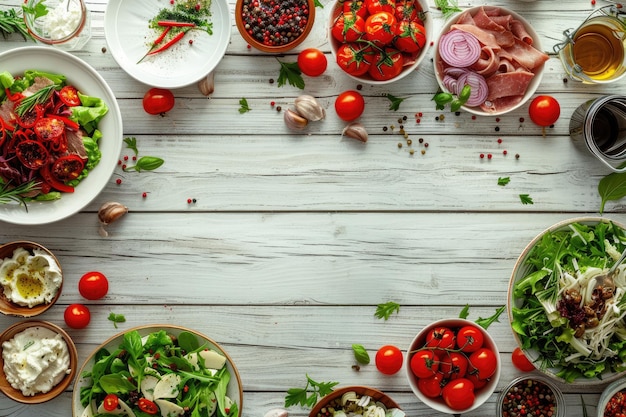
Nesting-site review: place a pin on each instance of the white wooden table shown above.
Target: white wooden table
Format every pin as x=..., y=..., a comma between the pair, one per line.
x=295, y=238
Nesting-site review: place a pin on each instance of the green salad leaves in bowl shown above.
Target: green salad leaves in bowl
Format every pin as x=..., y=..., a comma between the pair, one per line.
x=568, y=323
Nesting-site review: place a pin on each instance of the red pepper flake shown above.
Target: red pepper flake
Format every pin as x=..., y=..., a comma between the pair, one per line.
x=190, y=41
x=432, y=43
x=249, y=46
x=118, y=181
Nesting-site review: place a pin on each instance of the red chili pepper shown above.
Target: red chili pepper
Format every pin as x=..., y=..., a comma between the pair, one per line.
x=170, y=23
x=13, y=97
x=169, y=44
x=3, y=134
x=68, y=123
x=161, y=37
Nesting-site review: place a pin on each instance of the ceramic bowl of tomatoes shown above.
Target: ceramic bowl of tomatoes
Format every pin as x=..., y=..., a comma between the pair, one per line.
x=379, y=42
x=453, y=366
x=274, y=27
x=503, y=71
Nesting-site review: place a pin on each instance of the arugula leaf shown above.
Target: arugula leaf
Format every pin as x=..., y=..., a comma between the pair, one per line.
x=526, y=199
x=464, y=312
x=502, y=181
x=360, y=354
x=385, y=310
x=447, y=7
x=243, y=106
x=486, y=322
x=116, y=318
x=395, y=101
x=290, y=72
x=308, y=395
x=612, y=187
x=131, y=143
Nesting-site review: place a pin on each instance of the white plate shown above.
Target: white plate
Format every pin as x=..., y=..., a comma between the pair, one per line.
x=88, y=81
x=234, y=390
x=129, y=38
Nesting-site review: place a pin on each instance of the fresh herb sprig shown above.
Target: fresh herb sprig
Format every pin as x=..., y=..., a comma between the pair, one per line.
x=10, y=194
x=612, y=187
x=145, y=163
x=385, y=310
x=244, y=107
x=526, y=199
x=441, y=99
x=483, y=322
x=11, y=21
x=39, y=97
x=307, y=396
x=447, y=7
x=290, y=73
x=116, y=318
x=395, y=101
x=502, y=181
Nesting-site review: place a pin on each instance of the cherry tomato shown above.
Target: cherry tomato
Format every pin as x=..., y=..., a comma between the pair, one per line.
x=469, y=338
x=93, y=285
x=77, y=316
x=478, y=383
x=158, y=101
x=52, y=182
x=67, y=168
x=410, y=36
x=312, y=62
x=348, y=27
x=458, y=394
x=48, y=128
x=424, y=363
x=357, y=7
x=453, y=365
x=386, y=64
x=389, y=359
x=440, y=337
x=483, y=363
x=28, y=119
x=110, y=402
x=520, y=361
x=380, y=28
x=349, y=105
x=31, y=153
x=375, y=6
x=431, y=387
x=69, y=96
x=407, y=10
x=147, y=406
x=354, y=58
x=544, y=110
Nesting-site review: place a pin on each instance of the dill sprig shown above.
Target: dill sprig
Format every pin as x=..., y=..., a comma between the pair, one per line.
x=28, y=103
x=15, y=194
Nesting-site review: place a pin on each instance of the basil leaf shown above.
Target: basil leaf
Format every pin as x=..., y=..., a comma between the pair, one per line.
x=612, y=187
x=360, y=354
x=146, y=163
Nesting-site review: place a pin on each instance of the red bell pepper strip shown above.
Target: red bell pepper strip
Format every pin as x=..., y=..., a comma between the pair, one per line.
x=68, y=122
x=13, y=97
x=53, y=182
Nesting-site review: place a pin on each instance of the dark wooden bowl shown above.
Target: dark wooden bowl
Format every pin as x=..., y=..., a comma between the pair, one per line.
x=360, y=390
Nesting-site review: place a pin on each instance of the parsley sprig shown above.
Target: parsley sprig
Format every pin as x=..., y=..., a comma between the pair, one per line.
x=395, y=101
x=385, y=310
x=447, y=7
x=290, y=73
x=244, y=107
x=307, y=396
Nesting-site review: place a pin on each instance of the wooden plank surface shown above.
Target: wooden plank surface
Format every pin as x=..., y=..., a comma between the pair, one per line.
x=291, y=231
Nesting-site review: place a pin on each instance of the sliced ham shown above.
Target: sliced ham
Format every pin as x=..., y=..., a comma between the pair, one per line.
x=501, y=103
x=38, y=84
x=484, y=37
x=520, y=32
x=465, y=19
x=526, y=55
x=508, y=84
x=6, y=111
x=486, y=22
x=488, y=63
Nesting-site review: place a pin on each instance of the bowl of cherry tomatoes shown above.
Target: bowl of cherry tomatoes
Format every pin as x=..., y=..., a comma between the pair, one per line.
x=453, y=366
x=378, y=42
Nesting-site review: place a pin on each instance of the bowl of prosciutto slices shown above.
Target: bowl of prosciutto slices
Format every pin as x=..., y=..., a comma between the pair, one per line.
x=496, y=53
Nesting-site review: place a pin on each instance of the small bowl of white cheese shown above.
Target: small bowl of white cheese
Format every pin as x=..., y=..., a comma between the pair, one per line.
x=30, y=279
x=38, y=361
x=64, y=24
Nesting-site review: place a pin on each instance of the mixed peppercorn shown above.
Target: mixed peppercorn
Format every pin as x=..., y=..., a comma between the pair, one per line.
x=275, y=23
x=616, y=407
x=529, y=398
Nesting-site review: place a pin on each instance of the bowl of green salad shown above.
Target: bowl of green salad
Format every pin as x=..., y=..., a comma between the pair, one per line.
x=566, y=321
x=158, y=370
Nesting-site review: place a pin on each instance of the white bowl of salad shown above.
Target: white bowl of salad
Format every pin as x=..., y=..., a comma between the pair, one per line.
x=567, y=323
x=158, y=369
x=60, y=135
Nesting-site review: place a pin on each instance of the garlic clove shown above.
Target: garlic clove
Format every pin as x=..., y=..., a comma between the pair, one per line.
x=356, y=131
x=110, y=212
x=207, y=84
x=277, y=412
x=294, y=121
x=309, y=108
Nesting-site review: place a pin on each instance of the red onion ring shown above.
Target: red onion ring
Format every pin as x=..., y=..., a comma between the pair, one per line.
x=459, y=49
x=480, y=90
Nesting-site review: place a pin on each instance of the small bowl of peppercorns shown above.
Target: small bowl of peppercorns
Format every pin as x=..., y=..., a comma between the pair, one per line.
x=531, y=395
x=613, y=400
x=274, y=26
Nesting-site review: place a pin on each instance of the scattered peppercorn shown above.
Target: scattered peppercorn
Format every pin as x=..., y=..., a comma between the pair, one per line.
x=423, y=152
x=473, y=117
x=190, y=41
x=124, y=166
x=104, y=49
x=497, y=120
x=119, y=162
x=504, y=152
x=437, y=118
x=404, y=117
x=516, y=156
x=457, y=113
x=134, y=157
x=271, y=79
x=189, y=201
x=194, y=200
x=118, y=181
x=359, y=87
x=278, y=108
x=482, y=156
x=616, y=406
x=425, y=144
x=489, y=156
x=499, y=140
x=418, y=121
x=125, y=157
x=412, y=151
x=409, y=142
x=565, y=80
x=497, y=128
x=272, y=103
x=421, y=140
x=144, y=194
x=384, y=128
x=399, y=144
x=521, y=120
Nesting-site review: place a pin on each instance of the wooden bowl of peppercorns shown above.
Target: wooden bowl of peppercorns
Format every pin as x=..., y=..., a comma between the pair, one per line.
x=274, y=26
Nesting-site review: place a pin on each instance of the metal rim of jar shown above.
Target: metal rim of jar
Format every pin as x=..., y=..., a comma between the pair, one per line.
x=69, y=37
x=559, y=400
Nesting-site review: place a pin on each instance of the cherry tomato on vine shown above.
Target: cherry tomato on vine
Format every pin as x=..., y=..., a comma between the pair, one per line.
x=483, y=363
x=77, y=316
x=469, y=338
x=375, y=6
x=348, y=27
x=424, y=363
x=431, y=387
x=354, y=58
x=312, y=62
x=349, y=105
x=520, y=361
x=459, y=394
x=110, y=402
x=389, y=359
x=158, y=101
x=357, y=6
x=380, y=28
x=147, y=406
x=69, y=96
x=544, y=110
x=453, y=365
x=93, y=285
x=386, y=64
x=410, y=36
x=407, y=10
x=440, y=337
x=478, y=383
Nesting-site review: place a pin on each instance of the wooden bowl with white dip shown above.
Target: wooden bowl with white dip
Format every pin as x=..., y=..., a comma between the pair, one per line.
x=31, y=279
x=37, y=339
